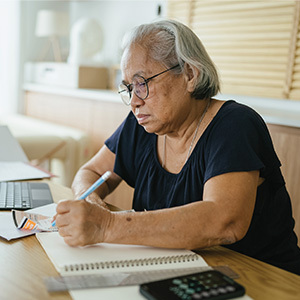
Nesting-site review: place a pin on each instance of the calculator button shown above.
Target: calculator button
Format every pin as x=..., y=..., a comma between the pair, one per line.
x=222, y=290
x=196, y=296
x=183, y=286
x=230, y=288
x=180, y=294
x=205, y=294
x=214, y=292
x=176, y=281
x=190, y=291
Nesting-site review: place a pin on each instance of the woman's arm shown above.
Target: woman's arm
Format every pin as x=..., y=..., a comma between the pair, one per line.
x=222, y=217
x=103, y=161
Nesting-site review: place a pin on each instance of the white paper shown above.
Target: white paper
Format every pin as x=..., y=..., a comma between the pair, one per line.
x=17, y=170
x=117, y=293
x=8, y=229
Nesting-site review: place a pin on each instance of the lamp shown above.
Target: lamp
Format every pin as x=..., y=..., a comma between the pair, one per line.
x=52, y=24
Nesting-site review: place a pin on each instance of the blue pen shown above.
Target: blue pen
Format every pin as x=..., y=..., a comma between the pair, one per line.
x=94, y=186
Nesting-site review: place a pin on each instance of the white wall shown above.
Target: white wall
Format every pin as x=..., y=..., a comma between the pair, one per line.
x=9, y=55
x=19, y=44
x=116, y=17
x=32, y=45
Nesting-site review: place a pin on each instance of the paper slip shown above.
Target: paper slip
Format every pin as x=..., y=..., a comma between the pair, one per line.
x=26, y=220
x=8, y=228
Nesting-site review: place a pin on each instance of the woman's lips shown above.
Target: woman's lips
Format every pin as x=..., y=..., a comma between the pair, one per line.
x=141, y=118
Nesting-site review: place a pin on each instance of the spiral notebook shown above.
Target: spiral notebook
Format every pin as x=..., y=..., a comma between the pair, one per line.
x=111, y=258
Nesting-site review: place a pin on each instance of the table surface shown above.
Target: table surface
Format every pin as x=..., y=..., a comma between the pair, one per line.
x=24, y=264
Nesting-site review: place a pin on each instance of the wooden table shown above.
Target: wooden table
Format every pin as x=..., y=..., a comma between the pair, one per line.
x=23, y=264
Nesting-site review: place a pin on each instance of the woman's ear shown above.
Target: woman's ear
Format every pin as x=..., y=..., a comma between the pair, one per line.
x=192, y=76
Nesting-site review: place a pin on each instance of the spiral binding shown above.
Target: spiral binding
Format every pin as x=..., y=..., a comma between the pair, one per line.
x=131, y=263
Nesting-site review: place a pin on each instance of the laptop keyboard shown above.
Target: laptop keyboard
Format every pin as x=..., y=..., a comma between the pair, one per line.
x=14, y=195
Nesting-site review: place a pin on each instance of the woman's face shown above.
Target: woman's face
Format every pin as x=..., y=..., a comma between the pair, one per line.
x=167, y=104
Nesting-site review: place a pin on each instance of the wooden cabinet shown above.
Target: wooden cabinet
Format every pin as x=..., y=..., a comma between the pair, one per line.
x=287, y=145
x=97, y=118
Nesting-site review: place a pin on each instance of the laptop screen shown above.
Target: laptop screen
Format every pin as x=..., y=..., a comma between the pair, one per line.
x=10, y=149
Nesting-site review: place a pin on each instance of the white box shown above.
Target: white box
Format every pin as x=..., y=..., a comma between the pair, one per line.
x=67, y=75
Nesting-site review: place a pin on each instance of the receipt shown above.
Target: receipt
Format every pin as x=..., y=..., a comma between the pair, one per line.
x=32, y=221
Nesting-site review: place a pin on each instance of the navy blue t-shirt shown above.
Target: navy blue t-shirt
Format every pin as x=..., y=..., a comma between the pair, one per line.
x=236, y=140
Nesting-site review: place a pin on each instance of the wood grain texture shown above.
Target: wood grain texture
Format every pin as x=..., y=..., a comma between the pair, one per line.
x=287, y=145
x=23, y=266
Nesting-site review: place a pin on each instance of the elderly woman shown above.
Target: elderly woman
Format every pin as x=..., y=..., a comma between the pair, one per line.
x=204, y=171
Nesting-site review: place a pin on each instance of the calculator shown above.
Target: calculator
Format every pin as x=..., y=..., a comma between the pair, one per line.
x=212, y=285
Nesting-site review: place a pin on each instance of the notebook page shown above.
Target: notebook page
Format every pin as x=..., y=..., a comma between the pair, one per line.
x=109, y=257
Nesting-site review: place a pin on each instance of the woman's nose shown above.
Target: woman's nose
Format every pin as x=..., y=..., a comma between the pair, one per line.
x=136, y=101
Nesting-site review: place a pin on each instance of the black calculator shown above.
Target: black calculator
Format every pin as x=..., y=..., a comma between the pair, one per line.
x=211, y=284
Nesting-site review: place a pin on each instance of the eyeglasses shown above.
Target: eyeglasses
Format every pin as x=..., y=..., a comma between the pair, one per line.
x=139, y=85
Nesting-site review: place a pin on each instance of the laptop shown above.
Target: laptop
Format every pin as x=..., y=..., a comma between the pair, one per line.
x=10, y=149
x=19, y=194
x=24, y=195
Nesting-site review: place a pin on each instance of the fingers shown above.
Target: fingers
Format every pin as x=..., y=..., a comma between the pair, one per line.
x=71, y=242
x=67, y=211
x=80, y=222
x=63, y=206
x=68, y=222
x=61, y=209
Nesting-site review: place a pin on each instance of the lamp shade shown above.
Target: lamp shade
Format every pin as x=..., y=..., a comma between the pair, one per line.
x=51, y=23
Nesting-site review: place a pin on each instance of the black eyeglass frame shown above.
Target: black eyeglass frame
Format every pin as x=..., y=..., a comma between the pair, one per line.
x=129, y=86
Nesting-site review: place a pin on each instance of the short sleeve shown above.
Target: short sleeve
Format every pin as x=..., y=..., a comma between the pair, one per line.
x=122, y=149
x=239, y=141
x=113, y=141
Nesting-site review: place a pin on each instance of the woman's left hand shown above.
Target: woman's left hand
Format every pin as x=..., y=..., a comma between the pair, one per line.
x=81, y=222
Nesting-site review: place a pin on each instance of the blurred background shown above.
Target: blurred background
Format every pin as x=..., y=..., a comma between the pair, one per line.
x=23, y=35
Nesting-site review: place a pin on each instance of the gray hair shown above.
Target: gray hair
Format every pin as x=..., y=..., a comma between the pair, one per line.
x=171, y=43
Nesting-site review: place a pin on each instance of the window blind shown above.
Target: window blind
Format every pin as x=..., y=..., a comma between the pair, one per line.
x=293, y=75
x=254, y=44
